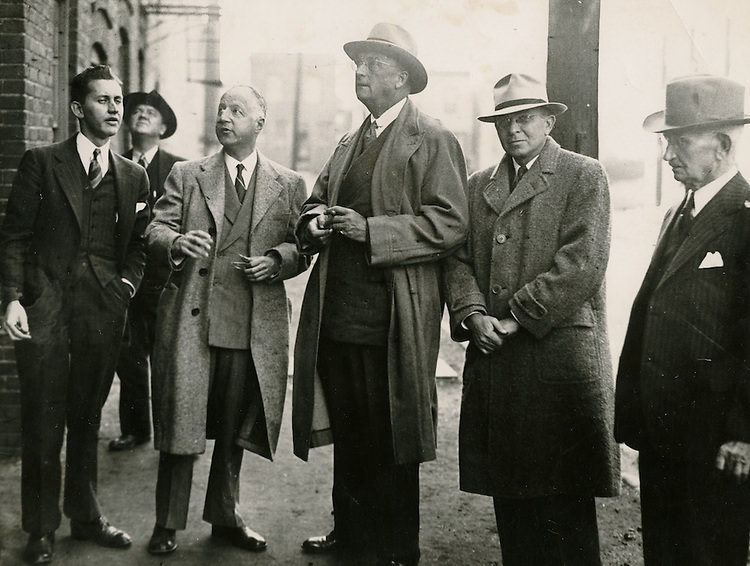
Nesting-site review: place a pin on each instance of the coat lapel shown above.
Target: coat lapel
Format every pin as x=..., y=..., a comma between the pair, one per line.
x=267, y=190
x=211, y=183
x=68, y=173
x=339, y=167
x=536, y=180
x=497, y=190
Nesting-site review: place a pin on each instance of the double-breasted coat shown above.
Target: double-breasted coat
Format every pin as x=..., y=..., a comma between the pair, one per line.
x=419, y=216
x=193, y=199
x=536, y=416
x=683, y=383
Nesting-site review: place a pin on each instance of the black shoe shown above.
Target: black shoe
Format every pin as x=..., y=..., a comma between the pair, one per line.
x=99, y=531
x=127, y=442
x=241, y=537
x=163, y=541
x=39, y=549
x=321, y=544
x=397, y=562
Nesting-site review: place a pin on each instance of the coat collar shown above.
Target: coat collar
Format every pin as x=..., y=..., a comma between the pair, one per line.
x=497, y=193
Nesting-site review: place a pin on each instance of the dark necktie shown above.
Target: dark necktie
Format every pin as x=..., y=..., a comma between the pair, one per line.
x=142, y=162
x=680, y=226
x=370, y=134
x=518, y=176
x=239, y=183
x=95, y=170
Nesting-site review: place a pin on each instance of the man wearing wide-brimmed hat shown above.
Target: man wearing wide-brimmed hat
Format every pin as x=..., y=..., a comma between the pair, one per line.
x=150, y=119
x=387, y=207
x=683, y=385
x=527, y=291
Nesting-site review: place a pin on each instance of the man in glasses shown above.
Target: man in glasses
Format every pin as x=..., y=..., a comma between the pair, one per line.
x=527, y=291
x=387, y=207
x=683, y=384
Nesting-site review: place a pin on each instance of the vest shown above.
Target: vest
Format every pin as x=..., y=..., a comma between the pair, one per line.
x=357, y=302
x=230, y=300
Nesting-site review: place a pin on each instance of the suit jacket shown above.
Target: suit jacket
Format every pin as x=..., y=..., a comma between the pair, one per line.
x=536, y=416
x=683, y=384
x=155, y=274
x=419, y=217
x=41, y=231
x=194, y=198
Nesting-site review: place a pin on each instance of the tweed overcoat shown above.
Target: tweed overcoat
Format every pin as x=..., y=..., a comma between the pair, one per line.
x=536, y=416
x=420, y=215
x=683, y=383
x=193, y=199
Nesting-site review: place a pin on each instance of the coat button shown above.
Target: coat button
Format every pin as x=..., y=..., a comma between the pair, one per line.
x=195, y=312
x=496, y=289
x=203, y=272
x=501, y=238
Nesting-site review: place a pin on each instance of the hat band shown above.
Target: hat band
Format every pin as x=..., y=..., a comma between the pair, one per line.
x=519, y=102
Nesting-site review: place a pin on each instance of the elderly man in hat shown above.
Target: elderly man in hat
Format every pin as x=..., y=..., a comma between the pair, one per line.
x=387, y=207
x=527, y=291
x=150, y=119
x=683, y=385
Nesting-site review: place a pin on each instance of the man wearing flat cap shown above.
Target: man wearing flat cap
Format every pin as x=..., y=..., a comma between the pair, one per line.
x=527, y=291
x=150, y=119
x=387, y=208
x=683, y=384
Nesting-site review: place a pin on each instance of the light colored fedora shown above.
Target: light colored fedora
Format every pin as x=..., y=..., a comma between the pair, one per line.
x=393, y=41
x=517, y=92
x=699, y=101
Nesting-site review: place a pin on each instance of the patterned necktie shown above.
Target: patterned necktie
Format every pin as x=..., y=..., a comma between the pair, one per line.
x=519, y=175
x=239, y=183
x=371, y=134
x=95, y=170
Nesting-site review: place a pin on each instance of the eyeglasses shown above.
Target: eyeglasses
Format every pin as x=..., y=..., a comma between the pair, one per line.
x=520, y=119
x=372, y=64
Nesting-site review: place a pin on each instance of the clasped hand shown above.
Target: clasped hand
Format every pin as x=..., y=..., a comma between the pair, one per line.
x=338, y=219
x=488, y=333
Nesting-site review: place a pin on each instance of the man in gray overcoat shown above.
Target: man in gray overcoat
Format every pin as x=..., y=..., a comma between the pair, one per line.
x=225, y=225
x=527, y=290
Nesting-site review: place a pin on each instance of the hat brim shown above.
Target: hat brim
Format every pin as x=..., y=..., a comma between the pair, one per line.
x=657, y=123
x=412, y=65
x=133, y=99
x=554, y=107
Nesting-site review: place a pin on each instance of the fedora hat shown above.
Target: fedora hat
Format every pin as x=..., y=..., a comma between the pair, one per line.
x=153, y=98
x=698, y=101
x=395, y=42
x=517, y=92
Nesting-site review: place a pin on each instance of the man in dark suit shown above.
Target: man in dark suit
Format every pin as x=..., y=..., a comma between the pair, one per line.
x=150, y=119
x=71, y=257
x=387, y=207
x=225, y=227
x=683, y=385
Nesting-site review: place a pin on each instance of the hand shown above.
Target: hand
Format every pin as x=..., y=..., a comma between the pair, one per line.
x=258, y=268
x=734, y=460
x=488, y=333
x=318, y=231
x=348, y=222
x=195, y=243
x=15, y=323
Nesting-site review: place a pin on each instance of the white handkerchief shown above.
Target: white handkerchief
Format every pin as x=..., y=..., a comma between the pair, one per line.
x=712, y=259
x=139, y=206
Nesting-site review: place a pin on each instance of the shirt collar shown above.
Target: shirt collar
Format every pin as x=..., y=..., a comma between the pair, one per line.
x=704, y=194
x=249, y=162
x=86, y=149
x=517, y=166
x=148, y=155
x=387, y=117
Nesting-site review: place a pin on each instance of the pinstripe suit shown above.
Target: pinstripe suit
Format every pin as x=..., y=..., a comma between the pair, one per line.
x=683, y=385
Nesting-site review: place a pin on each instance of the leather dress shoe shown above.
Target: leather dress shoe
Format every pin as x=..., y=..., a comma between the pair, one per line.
x=163, y=541
x=398, y=562
x=320, y=544
x=127, y=442
x=241, y=537
x=39, y=549
x=99, y=531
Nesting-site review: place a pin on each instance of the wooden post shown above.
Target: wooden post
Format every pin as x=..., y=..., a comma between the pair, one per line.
x=573, y=72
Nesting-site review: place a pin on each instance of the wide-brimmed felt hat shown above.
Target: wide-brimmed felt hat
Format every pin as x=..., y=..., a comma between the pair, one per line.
x=395, y=42
x=153, y=98
x=517, y=92
x=699, y=101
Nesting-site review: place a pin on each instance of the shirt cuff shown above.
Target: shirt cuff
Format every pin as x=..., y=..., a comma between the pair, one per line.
x=463, y=322
x=129, y=284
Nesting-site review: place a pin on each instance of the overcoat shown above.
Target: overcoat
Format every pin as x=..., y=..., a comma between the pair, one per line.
x=193, y=199
x=536, y=416
x=683, y=383
x=419, y=216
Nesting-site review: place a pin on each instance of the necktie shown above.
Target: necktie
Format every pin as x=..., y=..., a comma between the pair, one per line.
x=680, y=226
x=142, y=162
x=371, y=133
x=519, y=175
x=95, y=170
x=239, y=183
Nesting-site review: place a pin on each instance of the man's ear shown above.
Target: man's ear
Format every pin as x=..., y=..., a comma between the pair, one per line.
x=76, y=108
x=725, y=142
x=550, y=121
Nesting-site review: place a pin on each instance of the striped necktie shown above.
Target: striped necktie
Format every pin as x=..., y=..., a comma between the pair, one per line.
x=239, y=183
x=95, y=170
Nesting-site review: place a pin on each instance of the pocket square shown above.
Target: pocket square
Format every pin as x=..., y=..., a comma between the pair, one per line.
x=139, y=206
x=712, y=259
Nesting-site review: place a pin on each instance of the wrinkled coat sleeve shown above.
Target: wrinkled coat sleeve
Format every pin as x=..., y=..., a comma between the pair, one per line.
x=580, y=263
x=166, y=225
x=292, y=262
